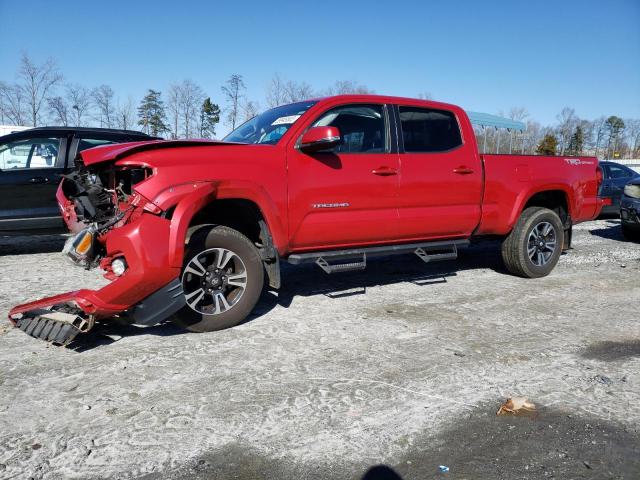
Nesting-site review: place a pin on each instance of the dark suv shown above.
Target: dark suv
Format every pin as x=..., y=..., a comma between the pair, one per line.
x=31, y=162
x=616, y=176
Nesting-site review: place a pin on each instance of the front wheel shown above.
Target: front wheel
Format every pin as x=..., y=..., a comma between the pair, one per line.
x=222, y=280
x=533, y=247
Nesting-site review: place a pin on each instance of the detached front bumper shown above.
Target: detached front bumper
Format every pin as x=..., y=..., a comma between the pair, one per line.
x=144, y=244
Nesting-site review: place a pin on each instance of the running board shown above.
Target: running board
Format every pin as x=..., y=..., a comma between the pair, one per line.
x=427, y=252
x=342, y=267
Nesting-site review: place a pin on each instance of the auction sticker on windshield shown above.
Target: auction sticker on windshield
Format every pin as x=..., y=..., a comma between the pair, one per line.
x=286, y=120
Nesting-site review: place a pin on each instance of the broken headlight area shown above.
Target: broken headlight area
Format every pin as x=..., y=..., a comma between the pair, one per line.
x=82, y=248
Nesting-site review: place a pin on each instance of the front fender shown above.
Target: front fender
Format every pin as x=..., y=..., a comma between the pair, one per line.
x=187, y=200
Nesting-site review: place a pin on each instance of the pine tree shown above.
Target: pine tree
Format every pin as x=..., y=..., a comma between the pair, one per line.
x=548, y=145
x=209, y=117
x=151, y=114
x=576, y=143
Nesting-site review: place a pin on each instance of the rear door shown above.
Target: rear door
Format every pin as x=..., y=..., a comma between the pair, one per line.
x=616, y=177
x=30, y=171
x=347, y=196
x=440, y=188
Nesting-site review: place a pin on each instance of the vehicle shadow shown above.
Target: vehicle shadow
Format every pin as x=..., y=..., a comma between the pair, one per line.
x=107, y=333
x=310, y=280
x=27, y=245
x=613, y=231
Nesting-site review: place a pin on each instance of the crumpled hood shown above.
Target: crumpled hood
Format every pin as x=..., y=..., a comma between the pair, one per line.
x=108, y=153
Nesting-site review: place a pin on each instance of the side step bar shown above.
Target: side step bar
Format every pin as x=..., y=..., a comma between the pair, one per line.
x=426, y=251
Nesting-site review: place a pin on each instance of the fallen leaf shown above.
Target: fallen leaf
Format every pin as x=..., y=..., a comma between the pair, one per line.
x=516, y=406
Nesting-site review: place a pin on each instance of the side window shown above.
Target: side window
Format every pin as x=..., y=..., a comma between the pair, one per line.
x=362, y=127
x=30, y=153
x=429, y=130
x=618, y=172
x=86, y=143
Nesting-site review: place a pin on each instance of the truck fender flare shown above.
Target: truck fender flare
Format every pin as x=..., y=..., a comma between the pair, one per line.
x=188, y=205
x=270, y=212
x=526, y=195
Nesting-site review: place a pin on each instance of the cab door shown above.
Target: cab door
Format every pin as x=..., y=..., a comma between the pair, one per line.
x=347, y=196
x=30, y=172
x=440, y=185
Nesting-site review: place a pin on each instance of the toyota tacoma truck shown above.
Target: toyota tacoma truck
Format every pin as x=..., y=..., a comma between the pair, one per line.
x=194, y=230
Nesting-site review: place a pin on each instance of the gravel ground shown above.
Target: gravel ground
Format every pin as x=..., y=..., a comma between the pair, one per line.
x=402, y=365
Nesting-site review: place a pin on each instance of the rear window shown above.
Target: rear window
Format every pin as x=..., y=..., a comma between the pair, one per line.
x=429, y=130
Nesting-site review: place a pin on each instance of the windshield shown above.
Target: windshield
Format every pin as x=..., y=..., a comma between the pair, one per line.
x=269, y=127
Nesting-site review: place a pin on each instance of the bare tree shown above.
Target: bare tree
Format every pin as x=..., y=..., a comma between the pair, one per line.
x=249, y=110
x=79, y=102
x=532, y=137
x=567, y=121
x=233, y=93
x=599, y=131
x=587, y=133
x=276, y=95
x=343, y=87
x=297, y=91
x=103, y=99
x=12, y=104
x=58, y=110
x=520, y=114
x=632, y=133
x=173, y=109
x=190, y=100
x=35, y=82
x=125, y=114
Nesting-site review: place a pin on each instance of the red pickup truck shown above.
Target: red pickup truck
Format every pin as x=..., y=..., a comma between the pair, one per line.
x=192, y=230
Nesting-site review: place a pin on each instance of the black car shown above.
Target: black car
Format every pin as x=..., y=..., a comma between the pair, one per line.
x=630, y=210
x=615, y=177
x=31, y=162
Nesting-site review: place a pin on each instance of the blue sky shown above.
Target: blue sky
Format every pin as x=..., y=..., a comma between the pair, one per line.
x=486, y=56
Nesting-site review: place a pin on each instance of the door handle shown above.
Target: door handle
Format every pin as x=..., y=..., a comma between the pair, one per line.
x=384, y=171
x=39, y=180
x=463, y=170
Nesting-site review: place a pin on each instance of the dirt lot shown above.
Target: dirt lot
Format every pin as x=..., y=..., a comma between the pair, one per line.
x=333, y=377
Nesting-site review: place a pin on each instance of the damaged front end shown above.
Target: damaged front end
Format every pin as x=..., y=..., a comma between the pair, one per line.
x=125, y=234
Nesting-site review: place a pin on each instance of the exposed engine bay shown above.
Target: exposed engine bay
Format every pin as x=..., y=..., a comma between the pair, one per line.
x=100, y=195
x=102, y=198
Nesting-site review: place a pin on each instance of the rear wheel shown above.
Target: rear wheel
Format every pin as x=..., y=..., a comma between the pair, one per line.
x=533, y=247
x=222, y=280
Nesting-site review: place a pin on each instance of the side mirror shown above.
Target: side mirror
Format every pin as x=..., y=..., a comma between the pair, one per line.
x=320, y=139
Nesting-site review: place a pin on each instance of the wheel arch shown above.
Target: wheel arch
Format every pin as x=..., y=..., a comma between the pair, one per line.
x=554, y=197
x=245, y=216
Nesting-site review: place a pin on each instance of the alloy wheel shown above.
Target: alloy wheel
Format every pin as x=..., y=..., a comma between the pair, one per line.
x=541, y=243
x=214, y=281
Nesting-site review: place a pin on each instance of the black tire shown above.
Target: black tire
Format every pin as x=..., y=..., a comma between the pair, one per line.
x=516, y=247
x=207, y=245
x=631, y=233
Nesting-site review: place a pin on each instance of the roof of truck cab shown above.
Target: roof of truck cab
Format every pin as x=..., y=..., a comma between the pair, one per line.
x=476, y=118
